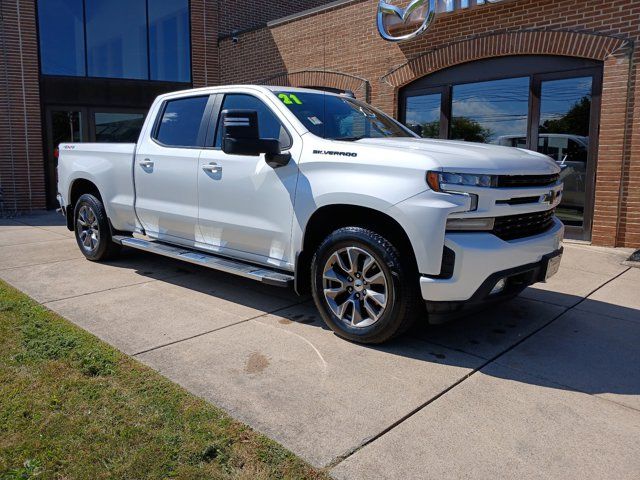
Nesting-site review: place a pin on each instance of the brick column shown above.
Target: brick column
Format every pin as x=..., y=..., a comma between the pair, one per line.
x=612, y=150
x=22, y=177
x=204, y=43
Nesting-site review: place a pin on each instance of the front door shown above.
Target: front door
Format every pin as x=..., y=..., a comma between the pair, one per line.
x=165, y=171
x=246, y=206
x=565, y=123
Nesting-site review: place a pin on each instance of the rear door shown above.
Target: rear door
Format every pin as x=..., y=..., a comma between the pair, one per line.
x=166, y=166
x=246, y=206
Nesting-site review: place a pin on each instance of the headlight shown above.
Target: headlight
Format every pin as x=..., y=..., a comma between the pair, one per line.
x=436, y=180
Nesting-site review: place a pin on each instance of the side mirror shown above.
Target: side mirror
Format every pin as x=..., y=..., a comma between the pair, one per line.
x=240, y=134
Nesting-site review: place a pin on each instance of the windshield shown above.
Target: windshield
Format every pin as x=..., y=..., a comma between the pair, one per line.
x=340, y=118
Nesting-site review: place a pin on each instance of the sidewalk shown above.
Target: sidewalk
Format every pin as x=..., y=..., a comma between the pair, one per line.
x=547, y=385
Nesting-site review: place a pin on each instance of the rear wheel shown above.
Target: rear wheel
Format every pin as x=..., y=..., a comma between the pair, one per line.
x=92, y=229
x=363, y=290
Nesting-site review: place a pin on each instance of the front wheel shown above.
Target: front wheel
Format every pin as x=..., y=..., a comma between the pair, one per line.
x=363, y=290
x=92, y=229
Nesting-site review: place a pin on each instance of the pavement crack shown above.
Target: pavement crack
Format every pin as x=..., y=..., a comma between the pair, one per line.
x=264, y=314
x=336, y=461
x=110, y=289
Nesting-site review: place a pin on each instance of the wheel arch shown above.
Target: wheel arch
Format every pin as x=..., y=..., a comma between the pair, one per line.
x=329, y=218
x=79, y=187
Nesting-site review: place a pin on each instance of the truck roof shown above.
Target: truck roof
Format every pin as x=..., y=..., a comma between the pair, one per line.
x=271, y=88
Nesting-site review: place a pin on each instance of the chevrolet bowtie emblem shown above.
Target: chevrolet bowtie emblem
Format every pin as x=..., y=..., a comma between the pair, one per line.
x=550, y=197
x=418, y=11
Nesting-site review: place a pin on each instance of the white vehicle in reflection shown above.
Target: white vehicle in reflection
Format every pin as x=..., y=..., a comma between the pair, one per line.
x=570, y=153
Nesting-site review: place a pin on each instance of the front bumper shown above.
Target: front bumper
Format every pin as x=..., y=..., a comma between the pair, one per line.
x=480, y=256
x=516, y=280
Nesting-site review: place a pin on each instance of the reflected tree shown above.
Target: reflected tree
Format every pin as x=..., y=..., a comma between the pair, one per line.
x=464, y=128
x=575, y=121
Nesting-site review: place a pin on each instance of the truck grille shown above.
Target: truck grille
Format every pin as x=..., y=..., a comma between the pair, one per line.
x=514, y=181
x=523, y=225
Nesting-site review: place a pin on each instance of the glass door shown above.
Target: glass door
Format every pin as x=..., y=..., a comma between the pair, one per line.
x=64, y=124
x=565, y=129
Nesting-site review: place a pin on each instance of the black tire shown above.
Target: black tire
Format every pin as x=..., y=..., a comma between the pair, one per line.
x=89, y=217
x=401, y=287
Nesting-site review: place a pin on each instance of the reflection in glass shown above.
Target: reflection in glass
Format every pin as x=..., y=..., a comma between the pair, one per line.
x=117, y=38
x=181, y=122
x=61, y=34
x=490, y=112
x=169, y=42
x=423, y=115
x=565, y=112
x=66, y=127
x=118, y=127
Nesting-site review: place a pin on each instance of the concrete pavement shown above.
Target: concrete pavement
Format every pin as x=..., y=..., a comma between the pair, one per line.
x=547, y=385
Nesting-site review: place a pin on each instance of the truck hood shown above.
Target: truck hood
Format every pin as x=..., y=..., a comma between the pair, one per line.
x=467, y=157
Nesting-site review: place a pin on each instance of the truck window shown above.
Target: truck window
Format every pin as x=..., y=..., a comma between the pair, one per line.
x=270, y=126
x=180, y=122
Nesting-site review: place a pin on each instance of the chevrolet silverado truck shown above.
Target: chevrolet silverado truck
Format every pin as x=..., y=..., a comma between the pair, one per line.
x=322, y=192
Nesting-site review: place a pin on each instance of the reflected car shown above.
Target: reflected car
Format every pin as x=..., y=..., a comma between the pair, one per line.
x=570, y=152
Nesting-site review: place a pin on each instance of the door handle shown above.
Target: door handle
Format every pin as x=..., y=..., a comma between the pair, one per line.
x=146, y=163
x=212, y=167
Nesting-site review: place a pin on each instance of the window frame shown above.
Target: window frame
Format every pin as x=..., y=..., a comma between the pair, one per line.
x=204, y=121
x=212, y=133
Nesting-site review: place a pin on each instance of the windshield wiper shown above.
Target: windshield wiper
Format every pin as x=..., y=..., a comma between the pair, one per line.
x=350, y=139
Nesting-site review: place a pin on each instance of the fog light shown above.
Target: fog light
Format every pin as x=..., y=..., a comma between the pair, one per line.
x=470, y=224
x=499, y=287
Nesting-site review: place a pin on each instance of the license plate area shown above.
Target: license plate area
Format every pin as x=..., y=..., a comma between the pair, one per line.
x=553, y=265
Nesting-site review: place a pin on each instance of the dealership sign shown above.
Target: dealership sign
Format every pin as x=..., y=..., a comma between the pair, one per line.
x=417, y=17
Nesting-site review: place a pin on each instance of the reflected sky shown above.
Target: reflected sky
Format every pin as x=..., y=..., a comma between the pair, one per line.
x=499, y=106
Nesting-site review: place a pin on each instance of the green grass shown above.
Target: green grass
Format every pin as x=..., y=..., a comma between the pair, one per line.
x=72, y=407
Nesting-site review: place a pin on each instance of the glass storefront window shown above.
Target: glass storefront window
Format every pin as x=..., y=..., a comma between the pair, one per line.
x=490, y=112
x=61, y=30
x=422, y=114
x=565, y=113
x=117, y=39
x=169, y=40
x=118, y=127
x=131, y=39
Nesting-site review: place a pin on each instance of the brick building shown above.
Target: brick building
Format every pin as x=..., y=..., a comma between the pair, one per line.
x=557, y=76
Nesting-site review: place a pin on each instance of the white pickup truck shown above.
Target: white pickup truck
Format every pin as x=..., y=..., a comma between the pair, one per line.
x=319, y=190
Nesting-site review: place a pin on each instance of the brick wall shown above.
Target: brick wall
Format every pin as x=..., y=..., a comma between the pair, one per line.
x=243, y=15
x=345, y=39
x=21, y=157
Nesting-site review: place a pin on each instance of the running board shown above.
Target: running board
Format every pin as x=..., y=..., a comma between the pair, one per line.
x=254, y=272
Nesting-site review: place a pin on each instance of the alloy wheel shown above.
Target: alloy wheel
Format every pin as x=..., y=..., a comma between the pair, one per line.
x=88, y=229
x=355, y=286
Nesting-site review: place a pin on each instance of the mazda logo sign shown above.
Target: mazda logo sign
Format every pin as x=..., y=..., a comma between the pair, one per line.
x=418, y=11
x=419, y=14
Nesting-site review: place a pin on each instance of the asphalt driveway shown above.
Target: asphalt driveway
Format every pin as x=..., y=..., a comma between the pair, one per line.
x=545, y=386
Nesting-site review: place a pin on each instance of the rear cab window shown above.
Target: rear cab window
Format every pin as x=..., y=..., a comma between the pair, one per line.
x=181, y=121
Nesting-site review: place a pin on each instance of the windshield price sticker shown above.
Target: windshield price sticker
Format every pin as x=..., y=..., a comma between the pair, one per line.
x=289, y=99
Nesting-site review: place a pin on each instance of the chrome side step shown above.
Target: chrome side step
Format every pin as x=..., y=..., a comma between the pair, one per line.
x=254, y=272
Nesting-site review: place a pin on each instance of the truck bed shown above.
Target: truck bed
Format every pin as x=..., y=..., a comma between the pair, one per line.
x=109, y=167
